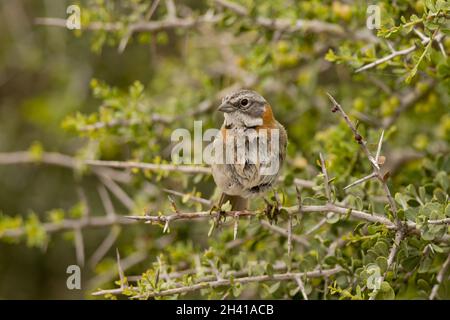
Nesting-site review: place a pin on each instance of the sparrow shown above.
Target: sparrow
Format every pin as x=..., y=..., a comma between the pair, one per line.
x=249, y=117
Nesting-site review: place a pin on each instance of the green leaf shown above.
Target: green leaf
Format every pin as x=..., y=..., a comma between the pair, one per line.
x=386, y=292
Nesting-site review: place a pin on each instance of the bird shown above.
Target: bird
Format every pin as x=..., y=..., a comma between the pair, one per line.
x=249, y=117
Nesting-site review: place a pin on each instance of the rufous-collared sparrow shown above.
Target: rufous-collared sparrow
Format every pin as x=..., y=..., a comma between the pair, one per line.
x=249, y=117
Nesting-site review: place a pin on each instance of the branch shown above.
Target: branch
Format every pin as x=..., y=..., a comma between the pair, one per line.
x=284, y=232
x=102, y=168
x=58, y=159
x=326, y=179
x=287, y=25
x=140, y=26
x=301, y=286
x=357, y=214
x=392, y=254
x=155, y=118
x=440, y=278
x=149, y=166
x=70, y=224
x=278, y=266
x=172, y=22
x=441, y=221
x=227, y=282
x=113, y=234
x=376, y=168
x=396, y=53
x=126, y=263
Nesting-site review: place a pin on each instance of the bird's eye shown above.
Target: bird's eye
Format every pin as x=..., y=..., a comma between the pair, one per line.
x=244, y=102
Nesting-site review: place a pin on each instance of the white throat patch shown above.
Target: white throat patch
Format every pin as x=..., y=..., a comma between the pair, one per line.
x=241, y=119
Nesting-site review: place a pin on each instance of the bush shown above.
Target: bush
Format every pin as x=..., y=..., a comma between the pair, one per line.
x=362, y=208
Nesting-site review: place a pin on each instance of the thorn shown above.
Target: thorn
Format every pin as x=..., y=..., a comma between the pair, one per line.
x=137, y=217
x=389, y=44
x=359, y=181
x=289, y=235
x=380, y=143
x=236, y=225
x=119, y=267
x=421, y=35
x=166, y=226
x=332, y=100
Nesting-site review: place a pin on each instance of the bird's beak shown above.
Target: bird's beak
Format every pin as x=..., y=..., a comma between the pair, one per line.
x=226, y=107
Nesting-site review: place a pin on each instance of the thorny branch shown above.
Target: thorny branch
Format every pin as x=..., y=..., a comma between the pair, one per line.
x=289, y=276
x=374, y=161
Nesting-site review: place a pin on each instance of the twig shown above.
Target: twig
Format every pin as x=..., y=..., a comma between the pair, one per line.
x=206, y=202
x=285, y=233
x=140, y=26
x=289, y=235
x=104, y=247
x=440, y=221
x=380, y=143
x=154, y=118
x=439, y=278
x=123, y=283
x=79, y=246
x=69, y=224
x=236, y=226
x=121, y=195
x=103, y=168
x=106, y=201
x=149, y=166
x=326, y=179
x=390, y=260
x=395, y=53
x=278, y=266
x=376, y=168
x=152, y=10
x=357, y=214
x=317, y=226
x=125, y=264
x=114, y=232
x=301, y=287
x=173, y=22
x=359, y=181
x=225, y=282
x=286, y=25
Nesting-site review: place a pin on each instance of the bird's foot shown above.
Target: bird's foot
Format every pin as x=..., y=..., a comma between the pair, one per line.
x=220, y=213
x=273, y=208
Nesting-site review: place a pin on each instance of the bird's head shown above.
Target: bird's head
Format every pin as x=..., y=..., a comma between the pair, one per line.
x=246, y=108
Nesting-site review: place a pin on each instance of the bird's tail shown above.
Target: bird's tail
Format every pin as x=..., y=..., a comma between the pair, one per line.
x=237, y=203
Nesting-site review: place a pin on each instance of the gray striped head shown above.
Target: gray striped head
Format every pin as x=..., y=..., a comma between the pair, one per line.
x=247, y=102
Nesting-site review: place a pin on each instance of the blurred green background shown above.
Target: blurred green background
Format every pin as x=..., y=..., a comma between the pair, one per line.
x=46, y=77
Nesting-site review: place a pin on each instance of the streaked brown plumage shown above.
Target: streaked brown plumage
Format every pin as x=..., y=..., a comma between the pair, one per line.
x=245, y=110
